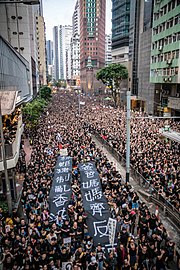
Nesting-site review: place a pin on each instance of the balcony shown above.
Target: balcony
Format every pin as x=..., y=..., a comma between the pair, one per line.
x=174, y=103
x=12, y=150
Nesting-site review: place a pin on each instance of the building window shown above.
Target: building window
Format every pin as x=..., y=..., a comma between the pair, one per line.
x=177, y=54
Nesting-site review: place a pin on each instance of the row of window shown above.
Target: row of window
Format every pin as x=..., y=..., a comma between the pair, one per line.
x=164, y=72
x=166, y=40
x=166, y=25
x=165, y=56
x=166, y=8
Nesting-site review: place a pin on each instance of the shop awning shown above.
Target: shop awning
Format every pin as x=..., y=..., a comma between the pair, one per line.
x=8, y=101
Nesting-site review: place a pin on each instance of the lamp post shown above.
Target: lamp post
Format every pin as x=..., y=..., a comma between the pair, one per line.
x=128, y=130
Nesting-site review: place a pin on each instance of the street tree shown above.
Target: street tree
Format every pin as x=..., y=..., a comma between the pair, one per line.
x=112, y=76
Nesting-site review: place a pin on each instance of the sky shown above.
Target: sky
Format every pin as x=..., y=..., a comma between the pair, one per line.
x=58, y=12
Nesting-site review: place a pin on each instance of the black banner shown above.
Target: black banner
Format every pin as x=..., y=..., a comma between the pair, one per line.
x=95, y=203
x=60, y=193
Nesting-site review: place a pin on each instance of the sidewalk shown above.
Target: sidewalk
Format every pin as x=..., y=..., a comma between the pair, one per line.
x=168, y=225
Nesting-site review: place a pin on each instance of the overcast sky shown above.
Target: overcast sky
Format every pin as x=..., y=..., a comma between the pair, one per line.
x=60, y=12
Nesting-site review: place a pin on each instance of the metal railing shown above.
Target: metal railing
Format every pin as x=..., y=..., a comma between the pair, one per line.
x=155, y=197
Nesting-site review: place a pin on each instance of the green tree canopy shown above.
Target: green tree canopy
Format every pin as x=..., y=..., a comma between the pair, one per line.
x=45, y=92
x=113, y=73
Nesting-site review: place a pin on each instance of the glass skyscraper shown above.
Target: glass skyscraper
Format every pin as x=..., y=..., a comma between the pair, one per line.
x=120, y=23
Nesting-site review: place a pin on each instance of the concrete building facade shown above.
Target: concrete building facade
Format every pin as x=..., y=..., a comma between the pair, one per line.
x=18, y=25
x=41, y=41
x=56, y=52
x=65, y=35
x=75, y=45
x=49, y=51
x=92, y=42
x=165, y=55
x=108, y=50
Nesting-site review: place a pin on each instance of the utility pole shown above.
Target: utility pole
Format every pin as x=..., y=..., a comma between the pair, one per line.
x=8, y=190
x=128, y=130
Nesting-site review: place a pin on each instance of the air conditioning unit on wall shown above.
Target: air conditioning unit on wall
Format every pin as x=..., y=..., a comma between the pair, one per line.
x=169, y=61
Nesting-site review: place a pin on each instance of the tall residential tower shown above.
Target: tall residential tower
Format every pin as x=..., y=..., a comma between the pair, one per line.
x=165, y=55
x=92, y=43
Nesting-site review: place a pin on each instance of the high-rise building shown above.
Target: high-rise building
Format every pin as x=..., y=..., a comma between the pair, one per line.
x=18, y=25
x=76, y=20
x=56, y=52
x=165, y=55
x=120, y=31
x=120, y=36
x=65, y=35
x=145, y=88
x=75, y=45
x=49, y=51
x=15, y=28
x=92, y=42
x=41, y=41
x=108, y=50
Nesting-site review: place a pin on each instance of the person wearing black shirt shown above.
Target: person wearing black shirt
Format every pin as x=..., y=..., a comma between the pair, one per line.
x=124, y=236
x=161, y=259
x=143, y=256
x=100, y=256
x=65, y=229
x=93, y=265
x=111, y=262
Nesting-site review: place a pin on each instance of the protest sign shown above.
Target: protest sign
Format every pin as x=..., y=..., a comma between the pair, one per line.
x=60, y=193
x=95, y=203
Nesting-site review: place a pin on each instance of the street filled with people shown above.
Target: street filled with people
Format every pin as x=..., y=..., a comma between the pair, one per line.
x=34, y=241
x=155, y=158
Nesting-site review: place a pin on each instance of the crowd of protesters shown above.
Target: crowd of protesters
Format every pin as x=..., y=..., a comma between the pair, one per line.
x=155, y=158
x=33, y=242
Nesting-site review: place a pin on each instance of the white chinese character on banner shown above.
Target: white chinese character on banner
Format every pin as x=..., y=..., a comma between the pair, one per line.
x=101, y=228
x=62, y=178
x=62, y=213
x=58, y=189
x=62, y=170
x=87, y=167
x=90, y=174
x=54, y=218
x=61, y=189
x=97, y=208
x=60, y=200
x=61, y=164
x=93, y=194
x=91, y=183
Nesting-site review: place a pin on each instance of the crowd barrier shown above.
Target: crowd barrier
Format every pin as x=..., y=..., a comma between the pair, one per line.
x=168, y=209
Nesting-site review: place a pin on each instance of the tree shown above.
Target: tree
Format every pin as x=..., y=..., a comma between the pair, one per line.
x=32, y=111
x=45, y=92
x=112, y=76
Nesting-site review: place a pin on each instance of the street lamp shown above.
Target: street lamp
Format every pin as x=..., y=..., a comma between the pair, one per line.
x=128, y=130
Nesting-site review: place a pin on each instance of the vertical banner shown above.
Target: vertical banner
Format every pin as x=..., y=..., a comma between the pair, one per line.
x=112, y=230
x=95, y=203
x=60, y=193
